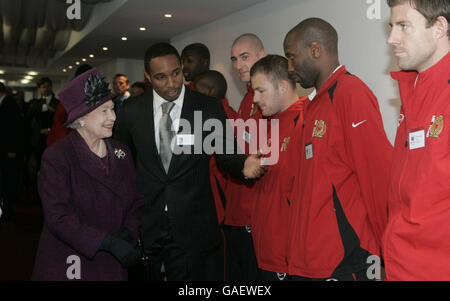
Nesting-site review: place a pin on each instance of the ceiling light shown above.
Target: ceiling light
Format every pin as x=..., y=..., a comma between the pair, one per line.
x=2, y=72
x=24, y=81
x=70, y=67
x=124, y=38
x=168, y=15
x=142, y=28
x=91, y=55
x=105, y=48
x=33, y=73
x=64, y=70
x=28, y=77
x=77, y=63
x=83, y=59
x=2, y=80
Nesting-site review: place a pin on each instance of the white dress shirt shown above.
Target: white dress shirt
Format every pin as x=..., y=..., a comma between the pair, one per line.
x=175, y=113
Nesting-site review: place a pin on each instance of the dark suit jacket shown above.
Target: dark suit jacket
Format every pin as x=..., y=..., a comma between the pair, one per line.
x=82, y=203
x=40, y=120
x=11, y=128
x=186, y=188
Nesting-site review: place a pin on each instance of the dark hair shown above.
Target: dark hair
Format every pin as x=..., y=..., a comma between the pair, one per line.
x=139, y=85
x=197, y=49
x=120, y=75
x=83, y=68
x=158, y=50
x=44, y=80
x=275, y=67
x=214, y=79
x=430, y=9
x=2, y=88
x=316, y=30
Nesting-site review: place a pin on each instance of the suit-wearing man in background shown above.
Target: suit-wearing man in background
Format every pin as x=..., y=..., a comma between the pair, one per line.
x=241, y=260
x=416, y=243
x=11, y=151
x=120, y=84
x=179, y=221
x=41, y=115
x=195, y=59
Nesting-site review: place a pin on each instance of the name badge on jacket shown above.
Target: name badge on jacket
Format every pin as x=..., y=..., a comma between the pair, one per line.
x=416, y=139
x=185, y=140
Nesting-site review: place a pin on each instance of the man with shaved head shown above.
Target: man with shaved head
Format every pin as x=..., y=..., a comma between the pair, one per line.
x=246, y=50
x=339, y=208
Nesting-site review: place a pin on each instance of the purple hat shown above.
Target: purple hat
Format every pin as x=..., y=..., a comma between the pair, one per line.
x=84, y=94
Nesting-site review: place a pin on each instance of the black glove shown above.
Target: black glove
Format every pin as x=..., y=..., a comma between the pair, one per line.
x=124, y=234
x=124, y=252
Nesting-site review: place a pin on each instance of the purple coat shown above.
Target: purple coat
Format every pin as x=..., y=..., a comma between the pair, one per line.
x=84, y=200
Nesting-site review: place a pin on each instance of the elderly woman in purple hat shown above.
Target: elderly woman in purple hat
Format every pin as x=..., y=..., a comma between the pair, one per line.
x=89, y=192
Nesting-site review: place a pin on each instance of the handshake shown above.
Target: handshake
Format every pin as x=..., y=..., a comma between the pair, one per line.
x=119, y=244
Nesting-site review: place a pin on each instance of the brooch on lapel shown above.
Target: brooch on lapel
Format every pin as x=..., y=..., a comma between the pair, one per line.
x=119, y=153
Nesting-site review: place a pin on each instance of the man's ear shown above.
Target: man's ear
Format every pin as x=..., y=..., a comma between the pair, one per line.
x=283, y=86
x=262, y=53
x=147, y=76
x=212, y=91
x=440, y=28
x=315, y=50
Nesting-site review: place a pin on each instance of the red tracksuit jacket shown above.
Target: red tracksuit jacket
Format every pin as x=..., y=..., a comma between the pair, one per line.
x=218, y=178
x=240, y=197
x=271, y=210
x=416, y=243
x=340, y=197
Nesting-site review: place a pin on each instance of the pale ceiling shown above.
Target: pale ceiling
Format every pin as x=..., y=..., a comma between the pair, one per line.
x=36, y=35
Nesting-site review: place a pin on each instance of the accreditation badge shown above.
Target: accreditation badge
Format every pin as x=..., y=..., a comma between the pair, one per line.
x=416, y=139
x=436, y=127
x=319, y=129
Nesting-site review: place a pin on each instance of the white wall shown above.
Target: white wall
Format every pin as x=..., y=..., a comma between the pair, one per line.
x=362, y=44
x=134, y=69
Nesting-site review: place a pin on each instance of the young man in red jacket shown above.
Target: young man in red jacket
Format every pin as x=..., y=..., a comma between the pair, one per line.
x=339, y=204
x=416, y=243
x=276, y=96
x=246, y=50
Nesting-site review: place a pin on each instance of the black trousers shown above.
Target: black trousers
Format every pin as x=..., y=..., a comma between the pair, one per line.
x=180, y=265
x=241, y=262
x=10, y=169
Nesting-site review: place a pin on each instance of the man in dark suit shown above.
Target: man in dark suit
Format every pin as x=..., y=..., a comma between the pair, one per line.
x=40, y=115
x=179, y=221
x=11, y=151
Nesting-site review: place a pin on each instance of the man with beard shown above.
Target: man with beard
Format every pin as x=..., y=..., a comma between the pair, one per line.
x=195, y=58
x=339, y=208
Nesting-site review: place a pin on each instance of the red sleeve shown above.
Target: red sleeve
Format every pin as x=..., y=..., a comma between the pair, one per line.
x=58, y=130
x=367, y=150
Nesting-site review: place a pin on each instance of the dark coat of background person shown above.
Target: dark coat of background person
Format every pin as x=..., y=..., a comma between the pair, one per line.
x=185, y=188
x=12, y=141
x=40, y=120
x=82, y=204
